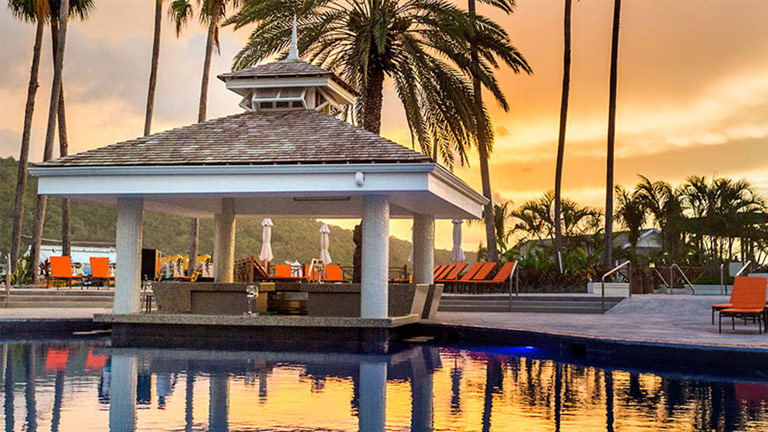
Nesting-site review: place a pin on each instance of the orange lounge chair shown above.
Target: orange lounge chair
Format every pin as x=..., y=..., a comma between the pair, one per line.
x=61, y=269
x=333, y=274
x=284, y=272
x=315, y=276
x=100, y=270
x=453, y=275
x=749, y=303
x=471, y=272
x=483, y=273
x=735, y=291
x=447, y=269
x=438, y=271
x=503, y=275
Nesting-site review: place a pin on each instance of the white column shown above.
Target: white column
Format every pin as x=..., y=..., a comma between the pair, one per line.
x=218, y=407
x=224, y=242
x=122, y=394
x=423, y=248
x=128, y=265
x=375, y=255
x=373, y=396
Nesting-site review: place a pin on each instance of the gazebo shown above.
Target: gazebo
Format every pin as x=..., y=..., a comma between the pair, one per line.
x=290, y=153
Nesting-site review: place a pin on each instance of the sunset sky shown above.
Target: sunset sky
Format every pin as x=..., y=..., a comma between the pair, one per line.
x=692, y=97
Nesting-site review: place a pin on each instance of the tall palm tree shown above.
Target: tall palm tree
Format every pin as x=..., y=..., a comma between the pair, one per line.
x=37, y=233
x=212, y=13
x=60, y=10
x=561, y=133
x=35, y=11
x=607, y=253
x=153, y=67
x=484, y=131
x=423, y=47
x=662, y=202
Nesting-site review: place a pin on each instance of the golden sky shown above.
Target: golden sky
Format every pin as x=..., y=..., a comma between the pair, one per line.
x=692, y=96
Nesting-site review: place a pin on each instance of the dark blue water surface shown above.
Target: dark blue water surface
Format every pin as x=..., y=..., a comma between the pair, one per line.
x=88, y=386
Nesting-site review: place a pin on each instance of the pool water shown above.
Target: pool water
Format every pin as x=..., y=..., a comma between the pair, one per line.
x=88, y=386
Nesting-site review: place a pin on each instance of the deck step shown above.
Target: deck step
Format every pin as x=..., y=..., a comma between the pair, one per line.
x=529, y=303
x=58, y=304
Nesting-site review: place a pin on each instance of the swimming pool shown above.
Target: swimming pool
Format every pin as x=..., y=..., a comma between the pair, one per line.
x=88, y=386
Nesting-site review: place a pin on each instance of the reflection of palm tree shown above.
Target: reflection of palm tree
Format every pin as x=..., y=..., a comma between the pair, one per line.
x=10, y=424
x=608, y=374
x=558, y=394
x=189, y=402
x=58, y=394
x=29, y=392
x=456, y=373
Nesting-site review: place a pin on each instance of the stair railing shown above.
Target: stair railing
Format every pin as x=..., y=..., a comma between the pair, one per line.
x=685, y=278
x=744, y=267
x=614, y=270
x=667, y=286
x=516, y=274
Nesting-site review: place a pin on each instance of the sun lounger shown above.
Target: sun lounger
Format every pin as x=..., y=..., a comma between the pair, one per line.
x=250, y=270
x=100, y=270
x=453, y=275
x=314, y=275
x=283, y=272
x=333, y=274
x=471, y=284
x=61, y=269
x=738, y=283
x=447, y=269
x=471, y=272
x=438, y=271
x=502, y=276
x=749, y=303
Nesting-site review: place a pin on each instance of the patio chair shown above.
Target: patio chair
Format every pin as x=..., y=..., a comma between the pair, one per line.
x=333, y=274
x=737, y=291
x=283, y=272
x=314, y=275
x=100, y=270
x=480, y=276
x=749, y=304
x=438, y=271
x=61, y=269
x=453, y=275
x=502, y=276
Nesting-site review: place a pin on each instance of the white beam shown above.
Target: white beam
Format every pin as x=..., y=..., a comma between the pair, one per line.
x=375, y=257
x=423, y=248
x=128, y=266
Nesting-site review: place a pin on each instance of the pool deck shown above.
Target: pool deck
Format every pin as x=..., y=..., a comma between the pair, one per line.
x=641, y=319
x=644, y=319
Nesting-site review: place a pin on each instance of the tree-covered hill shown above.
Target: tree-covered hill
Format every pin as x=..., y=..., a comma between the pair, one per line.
x=292, y=239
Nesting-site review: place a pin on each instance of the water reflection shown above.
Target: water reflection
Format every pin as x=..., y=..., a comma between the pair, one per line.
x=80, y=387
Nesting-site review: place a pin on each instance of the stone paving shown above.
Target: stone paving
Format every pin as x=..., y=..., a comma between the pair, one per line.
x=49, y=313
x=678, y=319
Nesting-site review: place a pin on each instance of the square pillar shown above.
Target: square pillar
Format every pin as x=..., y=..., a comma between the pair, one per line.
x=423, y=249
x=122, y=394
x=224, y=242
x=128, y=265
x=372, y=414
x=374, y=291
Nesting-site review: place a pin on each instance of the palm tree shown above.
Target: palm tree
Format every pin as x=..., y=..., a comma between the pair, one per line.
x=59, y=12
x=37, y=233
x=561, y=134
x=630, y=213
x=422, y=47
x=153, y=67
x=662, y=202
x=36, y=11
x=211, y=12
x=607, y=253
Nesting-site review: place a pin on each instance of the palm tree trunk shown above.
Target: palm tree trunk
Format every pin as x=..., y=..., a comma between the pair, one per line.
x=483, y=146
x=21, y=176
x=561, y=135
x=153, y=67
x=608, y=253
x=374, y=94
x=66, y=230
x=37, y=233
x=201, y=114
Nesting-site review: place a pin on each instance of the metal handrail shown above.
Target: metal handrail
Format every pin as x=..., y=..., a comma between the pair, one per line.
x=685, y=278
x=744, y=267
x=723, y=287
x=602, y=282
x=516, y=274
x=666, y=284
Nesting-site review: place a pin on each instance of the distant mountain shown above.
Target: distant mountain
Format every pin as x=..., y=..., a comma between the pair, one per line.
x=292, y=239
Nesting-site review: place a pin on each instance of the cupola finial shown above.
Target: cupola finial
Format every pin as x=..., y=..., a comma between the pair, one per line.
x=293, y=52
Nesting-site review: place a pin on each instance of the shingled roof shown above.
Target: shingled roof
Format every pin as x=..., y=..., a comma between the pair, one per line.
x=251, y=138
x=285, y=68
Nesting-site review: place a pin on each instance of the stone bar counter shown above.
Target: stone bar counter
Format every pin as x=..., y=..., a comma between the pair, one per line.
x=322, y=300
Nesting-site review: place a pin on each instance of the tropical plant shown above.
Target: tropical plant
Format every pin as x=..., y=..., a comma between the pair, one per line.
x=631, y=214
x=33, y=11
x=213, y=13
x=608, y=238
x=561, y=133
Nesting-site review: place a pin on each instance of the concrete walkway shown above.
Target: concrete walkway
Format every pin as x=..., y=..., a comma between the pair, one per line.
x=678, y=319
x=16, y=314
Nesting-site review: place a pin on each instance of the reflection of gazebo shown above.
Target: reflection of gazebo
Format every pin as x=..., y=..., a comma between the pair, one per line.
x=287, y=155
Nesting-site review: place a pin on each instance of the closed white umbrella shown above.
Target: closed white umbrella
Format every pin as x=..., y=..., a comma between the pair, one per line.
x=325, y=243
x=457, y=254
x=266, y=237
x=410, y=254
